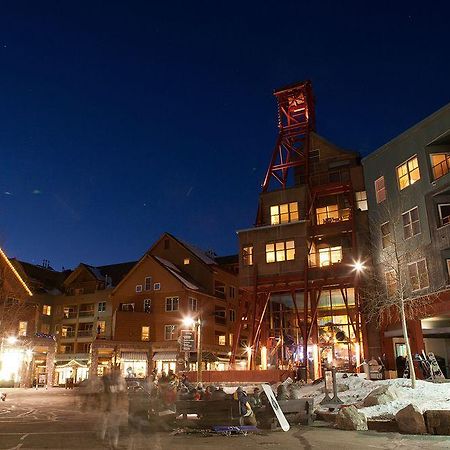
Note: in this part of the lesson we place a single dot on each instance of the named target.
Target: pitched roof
(41, 279)
(226, 260)
(114, 272)
(185, 279)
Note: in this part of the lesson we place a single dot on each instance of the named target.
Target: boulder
(410, 420)
(349, 418)
(380, 396)
(438, 422)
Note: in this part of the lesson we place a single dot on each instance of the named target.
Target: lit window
(101, 327)
(361, 200)
(280, 251)
(222, 340)
(47, 310)
(408, 173)
(444, 214)
(331, 213)
(230, 336)
(172, 303)
(391, 282)
(157, 286)
(247, 256)
(23, 328)
(193, 304)
(385, 234)
(145, 334)
(102, 307)
(411, 223)
(440, 164)
(186, 261)
(147, 305)
(418, 275)
(170, 332)
(330, 255)
(380, 190)
(139, 288)
(148, 284)
(287, 212)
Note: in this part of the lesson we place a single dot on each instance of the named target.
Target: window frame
(407, 174)
(380, 191)
(416, 264)
(247, 255)
(390, 285)
(280, 248)
(101, 307)
(129, 304)
(147, 334)
(191, 302)
(446, 161)
(156, 286)
(46, 310)
(148, 282)
(147, 305)
(171, 300)
(411, 223)
(387, 235)
(173, 332)
(139, 288)
(441, 219)
(292, 215)
(362, 200)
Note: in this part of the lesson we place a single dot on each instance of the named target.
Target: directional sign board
(187, 341)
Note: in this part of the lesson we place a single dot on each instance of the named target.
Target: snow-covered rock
(349, 418)
(410, 420)
(380, 396)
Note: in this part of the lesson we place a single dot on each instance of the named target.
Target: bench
(210, 412)
(297, 411)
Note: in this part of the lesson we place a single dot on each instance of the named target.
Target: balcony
(85, 333)
(330, 256)
(67, 334)
(87, 313)
(70, 314)
(328, 215)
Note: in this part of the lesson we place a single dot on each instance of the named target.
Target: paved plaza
(52, 419)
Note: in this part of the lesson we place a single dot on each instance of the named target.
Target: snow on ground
(426, 395)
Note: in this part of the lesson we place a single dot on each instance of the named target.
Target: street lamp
(196, 323)
(358, 266)
(11, 340)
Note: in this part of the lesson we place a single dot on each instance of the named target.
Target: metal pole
(199, 351)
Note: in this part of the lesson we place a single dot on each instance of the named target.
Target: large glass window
(280, 251)
(47, 310)
(408, 173)
(361, 200)
(418, 275)
(411, 223)
(330, 255)
(440, 164)
(287, 212)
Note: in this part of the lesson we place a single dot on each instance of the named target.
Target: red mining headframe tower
(299, 297)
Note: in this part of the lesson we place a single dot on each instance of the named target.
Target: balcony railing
(87, 313)
(335, 216)
(70, 315)
(85, 333)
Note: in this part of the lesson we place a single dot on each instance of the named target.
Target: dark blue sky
(121, 120)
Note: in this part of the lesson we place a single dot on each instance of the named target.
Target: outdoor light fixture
(11, 340)
(358, 266)
(188, 322)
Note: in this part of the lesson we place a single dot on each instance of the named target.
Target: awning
(71, 363)
(134, 356)
(206, 356)
(165, 356)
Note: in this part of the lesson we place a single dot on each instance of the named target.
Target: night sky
(122, 120)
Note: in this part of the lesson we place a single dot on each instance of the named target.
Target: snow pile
(353, 390)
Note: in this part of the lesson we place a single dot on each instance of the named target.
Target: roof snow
(177, 273)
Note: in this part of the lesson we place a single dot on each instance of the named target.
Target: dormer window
(285, 213)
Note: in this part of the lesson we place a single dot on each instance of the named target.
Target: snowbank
(425, 396)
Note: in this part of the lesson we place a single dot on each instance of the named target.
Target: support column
(94, 362)
(50, 365)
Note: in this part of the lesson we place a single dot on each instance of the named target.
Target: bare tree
(398, 286)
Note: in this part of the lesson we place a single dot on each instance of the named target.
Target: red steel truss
(256, 316)
(295, 121)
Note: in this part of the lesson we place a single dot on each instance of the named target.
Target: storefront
(74, 370)
(165, 361)
(134, 364)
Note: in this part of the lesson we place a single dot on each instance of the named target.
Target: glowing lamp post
(196, 324)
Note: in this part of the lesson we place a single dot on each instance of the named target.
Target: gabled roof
(114, 272)
(202, 255)
(174, 270)
(15, 272)
(227, 260)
